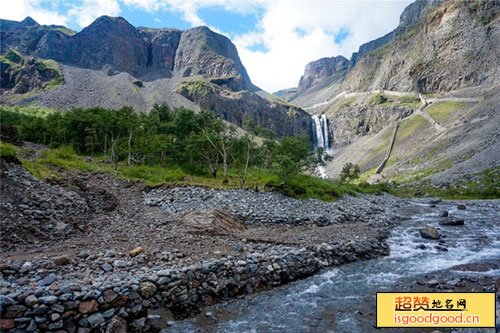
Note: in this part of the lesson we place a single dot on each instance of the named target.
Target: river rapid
(342, 299)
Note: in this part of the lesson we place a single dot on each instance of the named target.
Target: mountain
(420, 102)
(112, 64)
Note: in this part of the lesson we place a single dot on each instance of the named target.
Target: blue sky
(275, 38)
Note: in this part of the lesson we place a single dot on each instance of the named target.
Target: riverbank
(66, 260)
(95, 252)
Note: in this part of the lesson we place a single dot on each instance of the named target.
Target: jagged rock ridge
(111, 64)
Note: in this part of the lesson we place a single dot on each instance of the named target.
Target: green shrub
(7, 150)
(349, 172)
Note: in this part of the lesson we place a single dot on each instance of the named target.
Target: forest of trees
(167, 137)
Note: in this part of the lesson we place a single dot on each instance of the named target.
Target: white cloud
(88, 10)
(18, 10)
(294, 32)
(318, 21)
(288, 51)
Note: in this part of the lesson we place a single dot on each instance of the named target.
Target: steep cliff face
(411, 15)
(239, 107)
(318, 70)
(320, 78)
(454, 46)
(111, 63)
(204, 53)
(316, 91)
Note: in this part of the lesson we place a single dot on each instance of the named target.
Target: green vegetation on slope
(441, 111)
(197, 87)
(17, 72)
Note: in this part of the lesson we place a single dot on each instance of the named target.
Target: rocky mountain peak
(415, 11)
(322, 68)
(28, 21)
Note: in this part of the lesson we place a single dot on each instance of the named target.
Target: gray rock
(96, 320)
(429, 232)
(15, 311)
(452, 221)
(117, 325)
(49, 300)
(30, 301)
(147, 289)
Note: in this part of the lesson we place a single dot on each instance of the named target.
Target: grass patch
(486, 185)
(409, 127)
(381, 51)
(377, 99)
(7, 150)
(343, 105)
(197, 87)
(408, 101)
(305, 186)
(441, 111)
(58, 163)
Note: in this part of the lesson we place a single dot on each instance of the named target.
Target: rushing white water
(318, 128)
(324, 121)
(343, 299)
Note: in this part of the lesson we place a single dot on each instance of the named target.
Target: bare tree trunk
(105, 146)
(114, 157)
(244, 179)
(130, 134)
(163, 158)
(224, 161)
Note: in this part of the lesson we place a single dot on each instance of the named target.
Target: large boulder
(429, 233)
(453, 221)
(211, 222)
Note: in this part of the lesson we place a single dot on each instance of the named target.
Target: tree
(220, 136)
(349, 172)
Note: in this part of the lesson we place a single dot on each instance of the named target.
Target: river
(342, 299)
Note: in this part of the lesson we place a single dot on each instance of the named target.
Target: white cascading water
(324, 121)
(320, 126)
(320, 139)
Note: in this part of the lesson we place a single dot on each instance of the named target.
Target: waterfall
(321, 138)
(320, 141)
(320, 129)
(325, 131)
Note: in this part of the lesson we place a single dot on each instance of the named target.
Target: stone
(56, 325)
(452, 221)
(48, 300)
(96, 320)
(109, 296)
(88, 306)
(420, 247)
(55, 316)
(109, 313)
(62, 261)
(14, 311)
(429, 232)
(47, 281)
(211, 222)
(444, 213)
(7, 324)
(119, 263)
(117, 325)
(238, 248)
(147, 289)
(30, 301)
(83, 254)
(107, 267)
(136, 251)
(461, 207)
(432, 282)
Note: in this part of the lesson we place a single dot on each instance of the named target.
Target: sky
(275, 38)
